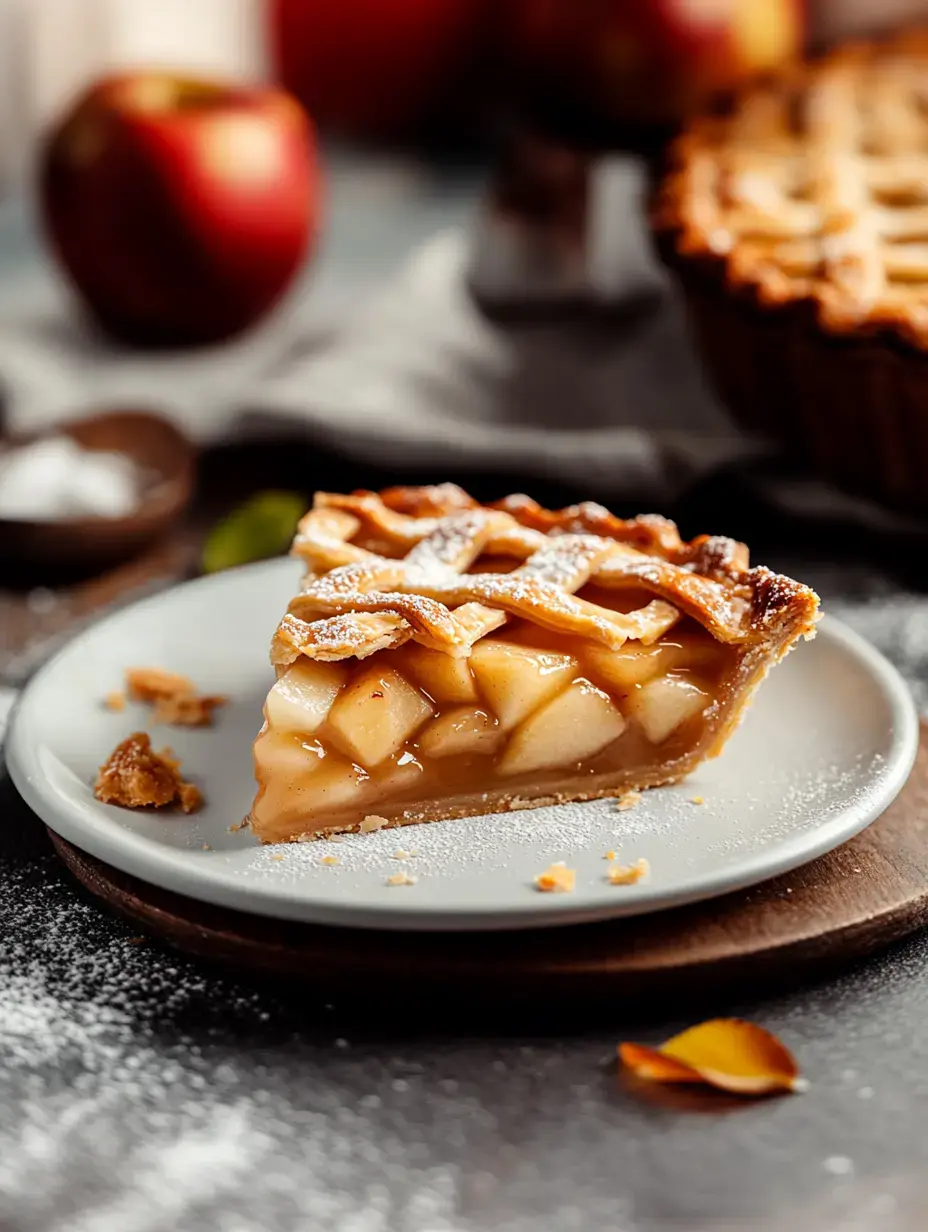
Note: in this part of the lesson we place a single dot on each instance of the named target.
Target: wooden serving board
(850, 903)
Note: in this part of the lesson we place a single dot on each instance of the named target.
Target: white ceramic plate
(826, 747)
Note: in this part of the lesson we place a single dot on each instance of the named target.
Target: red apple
(374, 68)
(649, 61)
(180, 208)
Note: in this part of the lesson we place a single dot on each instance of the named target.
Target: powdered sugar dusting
(470, 845)
(136, 1097)
(79, 1005)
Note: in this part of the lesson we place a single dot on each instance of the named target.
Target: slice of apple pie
(446, 658)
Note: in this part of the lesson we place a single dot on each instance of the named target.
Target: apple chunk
(287, 755)
(375, 715)
(333, 787)
(444, 678)
(515, 680)
(662, 705)
(623, 669)
(636, 663)
(400, 775)
(337, 786)
(464, 730)
(301, 698)
(577, 724)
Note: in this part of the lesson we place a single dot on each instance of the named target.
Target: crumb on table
(696, 800)
(329, 860)
(627, 874)
(557, 879)
(115, 701)
(174, 697)
(135, 776)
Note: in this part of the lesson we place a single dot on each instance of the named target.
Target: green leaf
(263, 526)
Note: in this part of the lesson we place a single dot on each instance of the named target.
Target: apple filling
(411, 734)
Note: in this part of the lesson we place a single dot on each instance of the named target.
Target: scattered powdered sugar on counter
(136, 1096)
(78, 1007)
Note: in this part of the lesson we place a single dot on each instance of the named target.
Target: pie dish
(447, 659)
(796, 221)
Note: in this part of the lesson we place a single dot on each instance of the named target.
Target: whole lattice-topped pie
(814, 186)
(796, 222)
(446, 658)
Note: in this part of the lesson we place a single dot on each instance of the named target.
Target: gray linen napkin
(409, 372)
(418, 376)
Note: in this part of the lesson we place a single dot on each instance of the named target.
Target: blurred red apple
(374, 68)
(180, 208)
(649, 61)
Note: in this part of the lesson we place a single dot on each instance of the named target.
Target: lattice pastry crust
(384, 569)
(813, 187)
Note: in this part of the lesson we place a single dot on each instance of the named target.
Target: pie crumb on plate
(628, 874)
(557, 879)
(402, 879)
(174, 697)
(135, 776)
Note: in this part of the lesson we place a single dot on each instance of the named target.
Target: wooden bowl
(80, 544)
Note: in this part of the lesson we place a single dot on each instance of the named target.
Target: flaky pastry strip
(540, 603)
(340, 637)
(404, 575)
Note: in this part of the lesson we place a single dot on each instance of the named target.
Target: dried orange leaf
(651, 1063)
(727, 1053)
